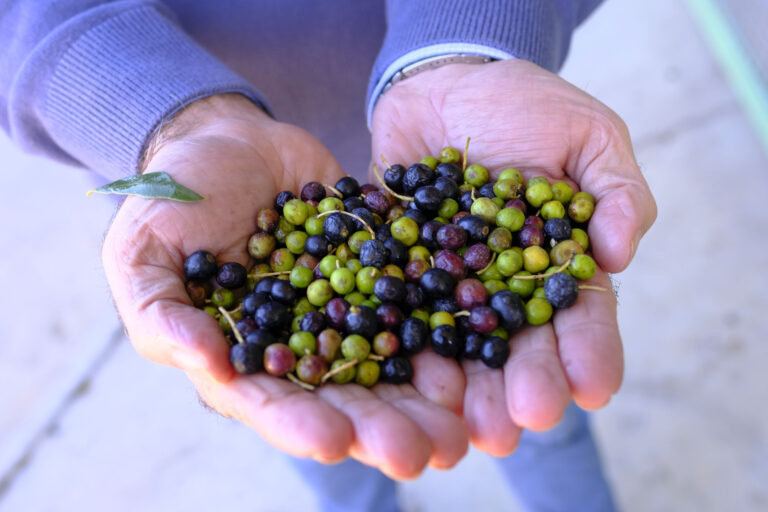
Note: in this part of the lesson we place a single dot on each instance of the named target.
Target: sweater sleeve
(535, 30)
(87, 82)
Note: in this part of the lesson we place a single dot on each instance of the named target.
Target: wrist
(429, 58)
(421, 94)
(432, 63)
(217, 108)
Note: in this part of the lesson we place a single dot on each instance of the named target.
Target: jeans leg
(559, 470)
(348, 486)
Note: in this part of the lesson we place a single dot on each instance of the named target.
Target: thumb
(622, 216)
(177, 334)
(154, 306)
(625, 208)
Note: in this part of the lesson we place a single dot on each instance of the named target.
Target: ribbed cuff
(123, 72)
(535, 30)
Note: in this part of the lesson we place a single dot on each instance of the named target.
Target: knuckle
(608, 129)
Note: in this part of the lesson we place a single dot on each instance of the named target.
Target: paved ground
(87, 425)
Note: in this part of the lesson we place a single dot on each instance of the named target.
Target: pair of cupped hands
(228, 150)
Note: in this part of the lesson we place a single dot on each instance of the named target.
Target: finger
(590, 345)
(296, 421)
(607, 169)
(384, 437)
(448, 437)
(491, 428)
(622, 216)
(439, 379)
(537, 390)
(155, 308)
(177, 334)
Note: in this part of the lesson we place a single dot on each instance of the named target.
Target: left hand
(230, 151)
(519, 115)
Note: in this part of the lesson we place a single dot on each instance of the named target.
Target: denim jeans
(554, 471)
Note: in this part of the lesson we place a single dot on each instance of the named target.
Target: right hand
(520, 115)
(233, 154)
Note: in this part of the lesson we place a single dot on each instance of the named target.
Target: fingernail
(326, 460)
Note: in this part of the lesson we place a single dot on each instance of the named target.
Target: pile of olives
(347, 282)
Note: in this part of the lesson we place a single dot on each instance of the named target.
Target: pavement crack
(686, 124)
(76, 389)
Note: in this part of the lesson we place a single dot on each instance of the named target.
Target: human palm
(519, 115)
(238, 159)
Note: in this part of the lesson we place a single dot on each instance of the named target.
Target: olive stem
(547, 274)
(381, 180)
(238, 336)
(592, 287)
(271, 274)
(371, 231)
(375, 357)
(237, 309)
(461, 313)
(338, 370)
(299, 382)
(432, 261)
(466, 152)
(484, 269)
(333, 189)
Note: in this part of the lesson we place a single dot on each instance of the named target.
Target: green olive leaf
(152, 185)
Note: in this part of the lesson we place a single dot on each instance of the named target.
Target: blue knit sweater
(87, 81)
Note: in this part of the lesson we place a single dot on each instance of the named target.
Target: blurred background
(85, 424)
